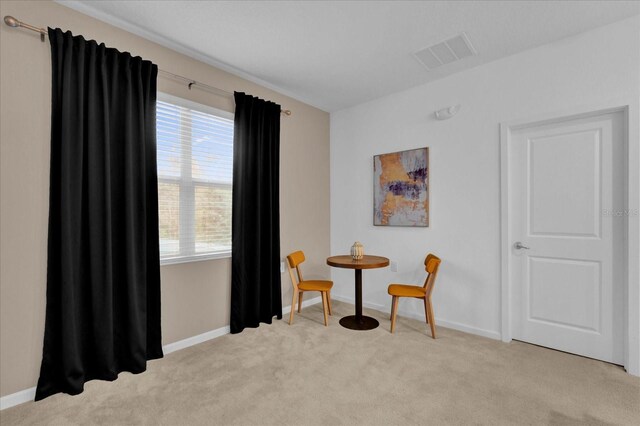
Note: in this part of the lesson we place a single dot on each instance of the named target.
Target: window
(195, 166)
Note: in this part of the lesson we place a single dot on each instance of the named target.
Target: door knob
(519, 246)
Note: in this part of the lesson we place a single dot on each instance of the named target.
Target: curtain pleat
(103, 269)
(255, 273)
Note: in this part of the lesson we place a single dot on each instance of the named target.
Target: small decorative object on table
(357, 251)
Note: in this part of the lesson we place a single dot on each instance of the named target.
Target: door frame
(630, 108)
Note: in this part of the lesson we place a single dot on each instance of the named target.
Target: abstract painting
(401, 188)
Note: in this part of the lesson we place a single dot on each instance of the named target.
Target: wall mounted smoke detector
(447, 113)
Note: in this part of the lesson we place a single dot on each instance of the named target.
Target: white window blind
(195, 166)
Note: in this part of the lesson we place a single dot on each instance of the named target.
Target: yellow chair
(300, 286)
(431, 263)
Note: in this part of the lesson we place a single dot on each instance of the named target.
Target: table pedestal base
(359, 321)
(352, 322)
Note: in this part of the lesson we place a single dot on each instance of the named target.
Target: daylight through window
(195, 159)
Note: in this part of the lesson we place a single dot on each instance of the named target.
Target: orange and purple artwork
(401, 188)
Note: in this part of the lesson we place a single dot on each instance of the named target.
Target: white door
(566, 185)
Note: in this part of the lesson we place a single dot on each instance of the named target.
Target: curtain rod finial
(11, 21)
(14, 23)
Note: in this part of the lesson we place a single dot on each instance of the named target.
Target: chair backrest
(293, 262)
(431, 265)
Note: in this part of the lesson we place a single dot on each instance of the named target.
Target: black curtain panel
(255, 273)
(103, 276)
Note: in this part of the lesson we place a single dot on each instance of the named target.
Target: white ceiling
(337, 54)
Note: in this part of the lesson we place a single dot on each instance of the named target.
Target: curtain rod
(13, 22)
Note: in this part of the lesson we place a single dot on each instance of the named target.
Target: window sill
(194, 258)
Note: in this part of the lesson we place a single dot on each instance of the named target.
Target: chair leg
(426, 311)
(293, 306)
(394, 312)
(324, 307)
(300, 294)
(393, 299)
(432, 321)
(329, 301)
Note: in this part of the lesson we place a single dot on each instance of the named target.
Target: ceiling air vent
(448, 51)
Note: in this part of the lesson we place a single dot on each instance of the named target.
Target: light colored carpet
(307, 374)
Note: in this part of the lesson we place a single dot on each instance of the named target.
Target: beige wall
(195, 296)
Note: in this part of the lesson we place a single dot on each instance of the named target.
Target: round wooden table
(358, 321)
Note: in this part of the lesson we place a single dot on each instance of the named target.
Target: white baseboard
(305, 303)
(17, 398)
(28, 395)
(439, 321)
(209, 335)
(194, 340)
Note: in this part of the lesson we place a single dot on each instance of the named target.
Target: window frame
(206, 109)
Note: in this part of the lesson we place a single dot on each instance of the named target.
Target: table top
(367, 262)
